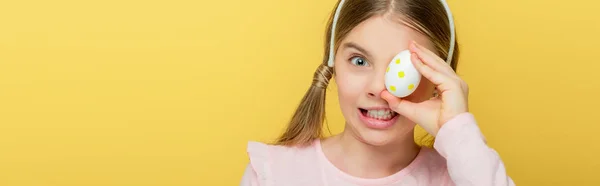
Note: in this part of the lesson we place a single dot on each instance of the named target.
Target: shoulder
(261, 152)
(431, 160)
(282, 162)
(431, 167)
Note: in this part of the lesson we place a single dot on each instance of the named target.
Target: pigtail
(307, 122)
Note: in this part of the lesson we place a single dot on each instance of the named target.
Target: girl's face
(360, 65)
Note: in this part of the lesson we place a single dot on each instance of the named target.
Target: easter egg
(401, 77)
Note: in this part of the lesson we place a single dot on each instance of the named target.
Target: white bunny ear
(332, 38)
(337, 14)
(452, 32)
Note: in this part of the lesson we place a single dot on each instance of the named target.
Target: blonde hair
(428, 17)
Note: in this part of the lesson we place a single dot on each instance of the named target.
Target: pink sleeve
(470, 161)
(258, 170)
(249, 178)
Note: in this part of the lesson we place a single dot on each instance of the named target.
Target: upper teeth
(380, 113)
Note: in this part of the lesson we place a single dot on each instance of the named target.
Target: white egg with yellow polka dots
(401, 77)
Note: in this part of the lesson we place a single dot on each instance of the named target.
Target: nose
(376, 84)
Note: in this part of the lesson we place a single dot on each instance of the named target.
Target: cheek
(349, 87)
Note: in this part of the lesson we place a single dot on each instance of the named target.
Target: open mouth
(379, 114)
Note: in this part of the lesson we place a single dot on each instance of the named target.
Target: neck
(360, 159)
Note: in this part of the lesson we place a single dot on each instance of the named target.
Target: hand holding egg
(404, 75)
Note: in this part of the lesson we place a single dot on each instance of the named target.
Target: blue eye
(359, 61)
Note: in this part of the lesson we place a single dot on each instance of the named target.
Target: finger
(401, 106)
(441, 81)
(431, 59)
(416, 112)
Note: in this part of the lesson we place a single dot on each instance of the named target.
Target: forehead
(384, 36)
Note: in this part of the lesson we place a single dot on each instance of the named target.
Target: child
(377, 146)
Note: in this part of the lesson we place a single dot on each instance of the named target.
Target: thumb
(401, 106)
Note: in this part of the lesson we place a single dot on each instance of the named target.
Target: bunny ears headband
(335, 20)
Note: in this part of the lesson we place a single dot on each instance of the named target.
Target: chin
(376, 138)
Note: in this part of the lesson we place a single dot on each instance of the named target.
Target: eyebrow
(355, 46)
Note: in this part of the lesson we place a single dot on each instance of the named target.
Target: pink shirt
(460, 157)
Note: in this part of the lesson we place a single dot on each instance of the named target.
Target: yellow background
(168, 93)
